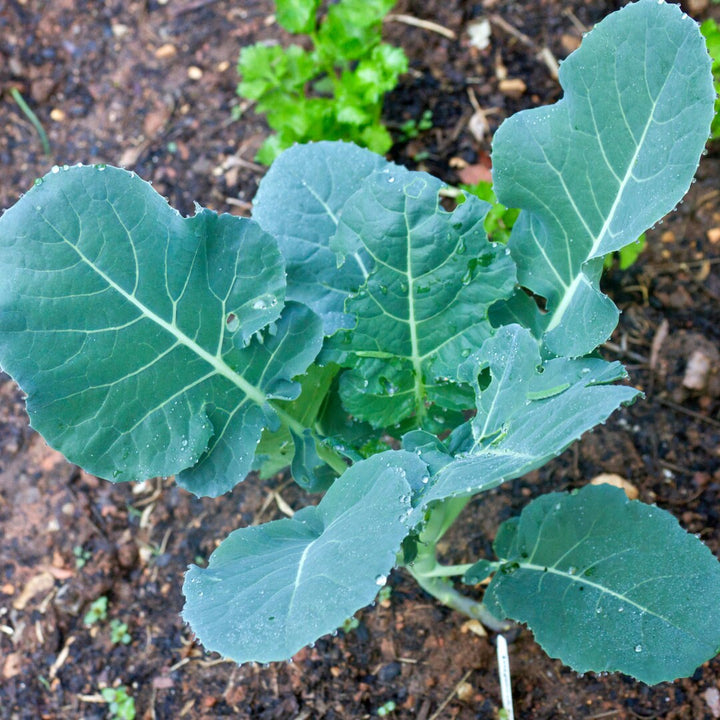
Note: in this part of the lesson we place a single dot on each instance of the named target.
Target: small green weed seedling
(387, 708)
(121, 706)
(392, 356)
(119, 634)
(81, 556)
(499, 220)
(335, 90)
(412, 128)
(97, 611)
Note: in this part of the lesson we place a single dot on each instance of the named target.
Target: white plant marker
(505, 680)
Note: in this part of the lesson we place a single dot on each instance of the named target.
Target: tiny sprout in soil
(392, 356)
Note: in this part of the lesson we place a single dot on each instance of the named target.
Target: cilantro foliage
(333, 91)
(388, 352)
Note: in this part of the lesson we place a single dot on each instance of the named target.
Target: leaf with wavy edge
(300, 201)
(270, 589)
(608, 584)
(595, 170)
(432, 277)
(137, 334)
(529, 412)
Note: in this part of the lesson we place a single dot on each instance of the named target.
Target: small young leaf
(270, 589)
(276, 449)
(608, 584)
(595, 170)
(308, 468)
(352, 28)
(311, 183)
(297, 16)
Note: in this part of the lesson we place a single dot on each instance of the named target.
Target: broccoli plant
(391, 355)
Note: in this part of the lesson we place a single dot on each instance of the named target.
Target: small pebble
(166, 51)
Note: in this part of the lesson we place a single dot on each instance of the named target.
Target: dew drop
(38, 181)
(54, 169)
(380, 580)
(638, 648)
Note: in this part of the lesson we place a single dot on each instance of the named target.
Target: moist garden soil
(151, 85)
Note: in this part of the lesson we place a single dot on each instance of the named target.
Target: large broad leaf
(270, 589)
(138, 335)
(528, 412)
(607, 584)
(595, 170)
(433, 276)
(300, 201)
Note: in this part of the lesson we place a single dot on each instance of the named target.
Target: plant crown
(395, 358)
(334, 91)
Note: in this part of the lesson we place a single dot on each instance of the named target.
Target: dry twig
(424, 24)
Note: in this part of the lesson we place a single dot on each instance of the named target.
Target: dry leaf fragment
(40, 583)
(475, 627)
(12, 665)
(478, 125)
(472, 174)
(569, 42)
(512, 87)
(465, 691)
(617, 481)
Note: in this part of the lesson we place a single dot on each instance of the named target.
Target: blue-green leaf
(607, 584)
(300, 201)
(595, 170)
(432, 277)
(528, 412)
(270, 589)
(147, 343)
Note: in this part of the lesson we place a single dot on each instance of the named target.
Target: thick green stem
(443, 590)
(433, 576)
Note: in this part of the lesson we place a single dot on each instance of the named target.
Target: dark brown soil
(150, 85)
